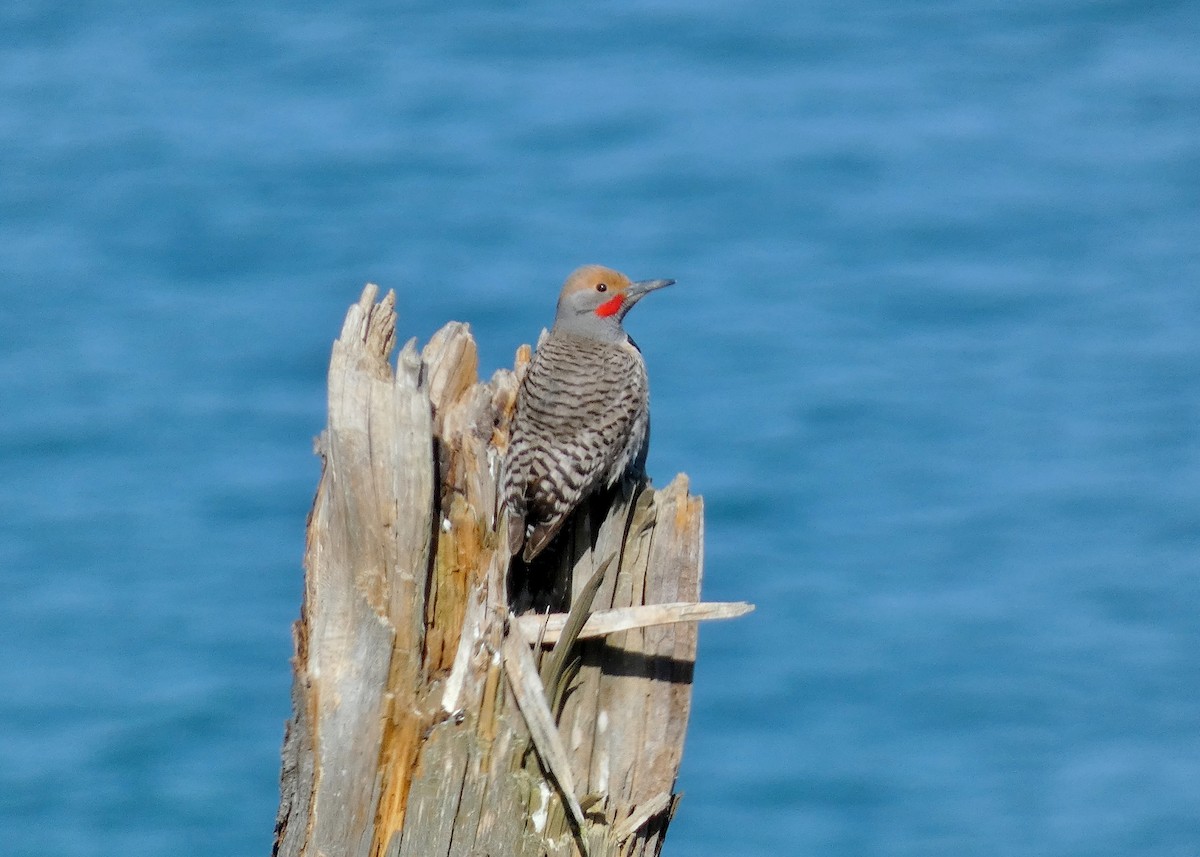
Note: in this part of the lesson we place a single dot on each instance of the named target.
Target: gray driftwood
(427, 720)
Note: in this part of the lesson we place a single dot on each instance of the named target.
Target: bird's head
(595, 299)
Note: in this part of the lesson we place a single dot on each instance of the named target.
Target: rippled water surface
(932, 360)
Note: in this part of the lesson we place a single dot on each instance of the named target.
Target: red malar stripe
(610, 307)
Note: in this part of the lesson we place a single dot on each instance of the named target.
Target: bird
(582, 418)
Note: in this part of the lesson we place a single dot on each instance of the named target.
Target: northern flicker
(583, 411)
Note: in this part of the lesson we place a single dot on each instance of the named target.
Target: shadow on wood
(427, 720)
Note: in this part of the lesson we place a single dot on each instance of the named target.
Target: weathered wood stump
(427, 719)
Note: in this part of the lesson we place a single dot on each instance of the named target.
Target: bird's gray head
(594, 301)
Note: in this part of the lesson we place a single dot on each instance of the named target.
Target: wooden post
(429, 721)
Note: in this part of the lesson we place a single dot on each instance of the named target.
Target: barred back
(581, 421)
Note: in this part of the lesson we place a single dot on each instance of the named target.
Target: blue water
(933, 361)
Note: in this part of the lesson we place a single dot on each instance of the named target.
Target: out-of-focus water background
(933, 361)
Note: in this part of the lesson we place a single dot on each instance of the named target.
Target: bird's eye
(602, 287)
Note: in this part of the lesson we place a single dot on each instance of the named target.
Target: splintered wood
(427, 720)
